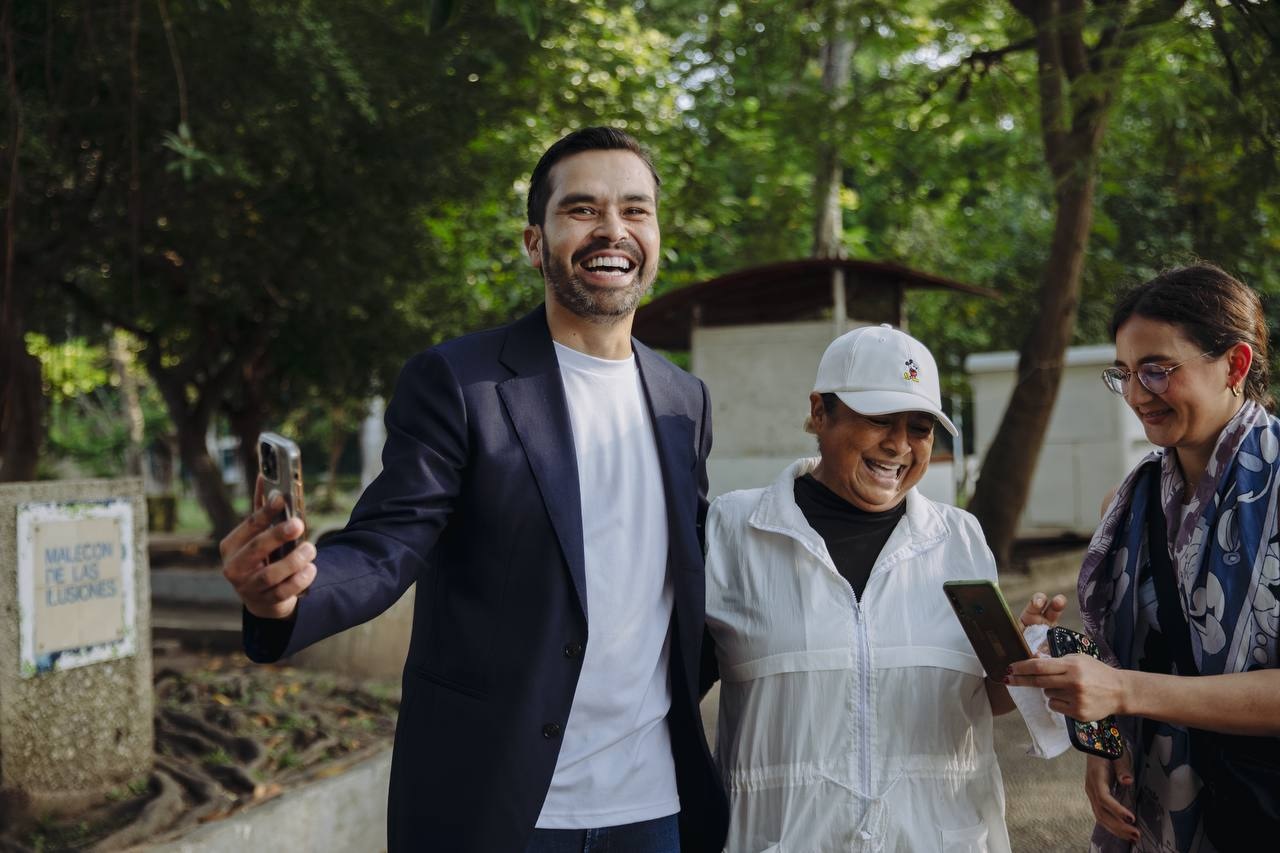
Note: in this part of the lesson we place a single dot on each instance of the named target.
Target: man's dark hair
(587, 139)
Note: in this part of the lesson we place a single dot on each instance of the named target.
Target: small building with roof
(755, 337)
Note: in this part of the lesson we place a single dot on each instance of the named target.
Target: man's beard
(604, 305)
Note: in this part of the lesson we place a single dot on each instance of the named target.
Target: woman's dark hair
(586, 139)
(829, 403)
(1213, 309)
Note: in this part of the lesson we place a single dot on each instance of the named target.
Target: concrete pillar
(75, 640)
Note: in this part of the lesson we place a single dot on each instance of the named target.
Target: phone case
(280, 464)
(1100, 737)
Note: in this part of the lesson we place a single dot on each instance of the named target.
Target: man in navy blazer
(544, 484)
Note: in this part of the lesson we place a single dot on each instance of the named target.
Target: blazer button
(572, 650)
(551, 730)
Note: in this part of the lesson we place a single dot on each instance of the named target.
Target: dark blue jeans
(660, 835)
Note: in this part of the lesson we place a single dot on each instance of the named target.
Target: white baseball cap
(878, 370)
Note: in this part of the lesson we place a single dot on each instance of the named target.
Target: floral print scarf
(1226, 554)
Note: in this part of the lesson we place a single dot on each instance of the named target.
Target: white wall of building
(1093, 438)
(373, 434)
(759, 378)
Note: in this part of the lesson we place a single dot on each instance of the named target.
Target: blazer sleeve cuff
(265, 640)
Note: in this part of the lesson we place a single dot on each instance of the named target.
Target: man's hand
(268, 590)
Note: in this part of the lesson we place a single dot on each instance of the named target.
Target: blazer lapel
(677, 453)
(536, 404)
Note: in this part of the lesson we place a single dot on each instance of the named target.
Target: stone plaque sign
(75, 584)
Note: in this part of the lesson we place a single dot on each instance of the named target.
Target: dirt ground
(229, 733)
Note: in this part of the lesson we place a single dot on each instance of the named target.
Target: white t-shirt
(615, 765)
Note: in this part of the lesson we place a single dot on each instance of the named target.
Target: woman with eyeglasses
(1181, 583)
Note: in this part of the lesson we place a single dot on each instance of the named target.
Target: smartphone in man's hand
(994, 633)
(280, 464)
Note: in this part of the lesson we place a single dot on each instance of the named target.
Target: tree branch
(1050, 78)
(1075, 56)
(102, 312)
(9, 299)
(1248, 13)
(977, 64)
(1122, 36)
(1218, 33)
(176, 59)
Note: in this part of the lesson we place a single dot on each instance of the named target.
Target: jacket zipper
(864, 683)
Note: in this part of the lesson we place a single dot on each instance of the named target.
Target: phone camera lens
(977, 608)
(269, 469)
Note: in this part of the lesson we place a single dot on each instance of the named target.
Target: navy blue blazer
(478, 502)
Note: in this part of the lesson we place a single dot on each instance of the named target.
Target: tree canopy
(280, 201)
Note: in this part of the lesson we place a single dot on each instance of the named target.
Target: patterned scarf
(1225, 552)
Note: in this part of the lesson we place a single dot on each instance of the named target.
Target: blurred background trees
(262, 208)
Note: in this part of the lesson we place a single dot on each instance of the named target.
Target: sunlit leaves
(70, 368)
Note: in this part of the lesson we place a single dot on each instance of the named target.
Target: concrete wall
(69, 733)
(759, 378)
(346, 813)
(375, 650)
(1093, 439)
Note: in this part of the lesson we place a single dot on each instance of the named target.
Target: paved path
(1046, 809)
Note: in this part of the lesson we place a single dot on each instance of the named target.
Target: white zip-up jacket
(853, 725)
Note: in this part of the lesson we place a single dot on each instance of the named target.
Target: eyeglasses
(1152, 376)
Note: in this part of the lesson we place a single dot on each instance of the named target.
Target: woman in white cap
(854, 714)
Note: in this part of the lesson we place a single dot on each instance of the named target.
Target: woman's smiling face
(871, 461)
(1198, 403)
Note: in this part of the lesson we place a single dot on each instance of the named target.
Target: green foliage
(69, 369)
(218, 758)
(330, 185)
(943, 158)
(87, 423)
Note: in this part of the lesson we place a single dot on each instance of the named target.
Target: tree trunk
(21, 411)
(337, 441)
(191, 418)
(247, 425)
(21, 391)
(163, 451)
(1010, 462)
(248, 414)
(205, 473)
(122, 362)
(1076, 85)
(837, 64)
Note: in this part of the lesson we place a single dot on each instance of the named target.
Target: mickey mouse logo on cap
(913, 371)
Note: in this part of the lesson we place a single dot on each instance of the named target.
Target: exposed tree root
(228, 734)
(159, 813)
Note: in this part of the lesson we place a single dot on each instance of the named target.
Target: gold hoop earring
(1235, 390)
